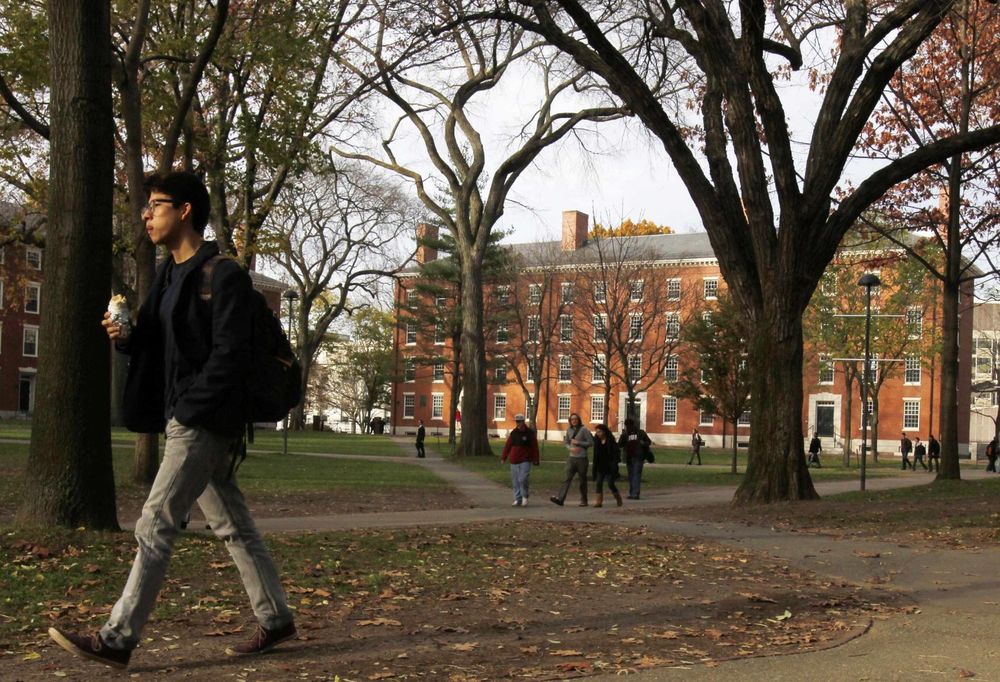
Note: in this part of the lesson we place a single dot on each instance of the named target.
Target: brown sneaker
(262, 641)
(92, 647)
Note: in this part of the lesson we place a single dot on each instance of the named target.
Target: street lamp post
(867, 281)
(290, 295)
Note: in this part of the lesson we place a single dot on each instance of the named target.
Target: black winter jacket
(213, 341)
(606, 458)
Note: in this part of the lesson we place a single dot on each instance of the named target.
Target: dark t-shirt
(171, 295)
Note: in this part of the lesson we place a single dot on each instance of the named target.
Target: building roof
(263, 282)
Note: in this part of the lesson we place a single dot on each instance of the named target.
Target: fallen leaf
(566, 652)
(463, 646)
(31, 656)
(965, 674)
(575, 666)
(380, 621)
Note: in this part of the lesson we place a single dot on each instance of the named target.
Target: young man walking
(421, 434)
(933, 453)
(521, 450)
(905, 448)
(188, 375)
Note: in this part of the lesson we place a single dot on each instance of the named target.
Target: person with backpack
(814, 449)
(190, 376)
(905, 448)
(421, 434)
(696, 443)
(578, 440)
(933, 453)
(521, 450)
(918, 454)
(634, 443)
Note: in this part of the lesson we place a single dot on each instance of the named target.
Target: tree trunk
(474, 439)
(70, 479)
(456, 387)
(950, 469)
(776, 466)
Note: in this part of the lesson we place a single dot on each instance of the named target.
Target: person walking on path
(578, 440)
(905, 448)
(991, 456)
(188, 376)
(634, 442)
(421, 434)
(607, 456)
(814, 449)
(919, 450)
(696, 443)
(933, 453)
(521, 450)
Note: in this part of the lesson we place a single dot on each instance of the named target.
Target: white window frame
(598, 415)
(534, 294)
(744, 418)
(411, 333)
(438, 370)
(565, 369)
(565, 328)
(674, 289)
(409, 405)
(566, 292)
(636, 290)
(912, 425)
(706, 316)
(409, 370)
(534, 329)
(671, 368)
(437, 405)
(411, 298)
(37, 287)
(441, 301)
(710, 288)
(706, 418)
(33, 251)
(500, 372)
(635, 367)
(503, 333)
(563, 405)
(533, 370)
(915, 322)
(912, 371)
(599, 369)
(673, 320)
(600, 327)
(669, 404)
(503, 294)
(439, 334)
(33, 328)
(600, 292)
(500, 407)
(826, 365)
(635, 327)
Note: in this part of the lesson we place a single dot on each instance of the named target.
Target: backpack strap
(205, 289)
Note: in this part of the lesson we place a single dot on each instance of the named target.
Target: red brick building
(690, 279)
(21, 288)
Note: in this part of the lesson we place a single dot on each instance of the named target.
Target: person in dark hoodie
(606, 459)
(188, 376)
(633, 444)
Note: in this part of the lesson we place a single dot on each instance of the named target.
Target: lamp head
(290, 295)
(869, 279)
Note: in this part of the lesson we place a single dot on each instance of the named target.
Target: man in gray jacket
(578, 440)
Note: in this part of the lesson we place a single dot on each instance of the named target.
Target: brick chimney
(426, 254)
(574, 230)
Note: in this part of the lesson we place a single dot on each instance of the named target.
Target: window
(533, 329)
(30, 342)
(669, 410)
(502, 334)
(635, 291)
(441, 301)
(826, 371)
(437, 406)
(535, 369)
(706, 418)
(34, 258)
(911, 414)
(563, 409)
(871, 408)
(600, 292)
(600, 367)
(409, 403)
(706, 316)
(565, 368)
(534, 294)
(438, 371)
(744, 419)
(503, 295)
(673, 290)
(500, 373)
(566, 292)
(411, 298)
(711, 288)
(911, 374)
(409, 369)
(634, 367)
(670, 369)
(600, 328)
(597, 408)
(983, 357)
(873, 370)
(499, 407)
(673, 325)
(565, 328)
(635, 327)
(438, 334)
(32, 298)
(915, 322)
(529, 406)
(411, 333)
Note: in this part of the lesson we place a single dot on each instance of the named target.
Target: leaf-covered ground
(529, 600)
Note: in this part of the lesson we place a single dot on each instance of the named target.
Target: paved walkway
(951, 635)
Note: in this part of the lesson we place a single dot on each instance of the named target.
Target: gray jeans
(195, 467)
(575, 466)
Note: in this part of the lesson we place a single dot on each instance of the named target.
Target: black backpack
(276, 375)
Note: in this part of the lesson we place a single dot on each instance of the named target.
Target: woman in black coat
(606, 459)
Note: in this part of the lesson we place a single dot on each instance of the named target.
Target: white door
(640, 407)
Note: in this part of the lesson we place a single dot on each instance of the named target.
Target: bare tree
(767, 205)
(336, 237)
(435, 69)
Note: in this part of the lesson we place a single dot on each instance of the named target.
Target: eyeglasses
(150, 207)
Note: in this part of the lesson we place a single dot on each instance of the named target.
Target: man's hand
(113, 330)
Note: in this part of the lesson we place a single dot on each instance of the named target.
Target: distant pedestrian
(634, 443)
(578, 440)
(905, 448)
(918, 454)
(606, 459)
(814, 449)
(991, 456)
(421, 434)
(696, 443)
(933, 453)
(521, 450)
